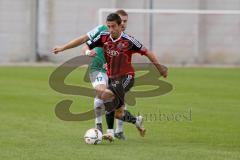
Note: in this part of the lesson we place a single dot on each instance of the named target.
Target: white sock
(119, 123)
(119, 127)
(98, 103)
(110, 131)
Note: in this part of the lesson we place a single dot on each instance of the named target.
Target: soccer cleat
(109, 135)
(139, 125)
(120, 136)
(99, 127)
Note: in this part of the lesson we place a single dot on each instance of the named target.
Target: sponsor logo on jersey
(112, 53)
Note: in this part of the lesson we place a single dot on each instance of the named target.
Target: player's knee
(99, 90)
(119, 113)
(99, 93)
(107, 95)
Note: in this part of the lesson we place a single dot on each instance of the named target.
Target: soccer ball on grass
(93, 136)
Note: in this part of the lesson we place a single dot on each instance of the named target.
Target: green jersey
(99, 60)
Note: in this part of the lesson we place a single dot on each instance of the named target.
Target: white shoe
(109, 135)
(139, 125)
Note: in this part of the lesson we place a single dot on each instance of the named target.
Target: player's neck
(116, 37)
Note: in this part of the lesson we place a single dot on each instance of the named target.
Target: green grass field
(30, 130)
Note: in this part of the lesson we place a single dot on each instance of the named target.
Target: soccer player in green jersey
(98, 74)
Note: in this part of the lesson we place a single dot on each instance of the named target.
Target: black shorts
(120, 86)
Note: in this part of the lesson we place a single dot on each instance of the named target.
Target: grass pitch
(199, 119)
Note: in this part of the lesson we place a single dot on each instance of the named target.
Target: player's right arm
(91, 35)
(72, 44)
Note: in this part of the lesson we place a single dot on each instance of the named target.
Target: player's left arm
(90, 45)
(163, 70)
(86, 51)
(138, 47)
(97, 42)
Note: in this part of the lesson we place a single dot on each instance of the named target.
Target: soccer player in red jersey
(118, 49)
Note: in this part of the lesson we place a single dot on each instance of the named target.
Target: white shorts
(98, 78)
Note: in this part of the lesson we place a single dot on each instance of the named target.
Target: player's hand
(105, 66)
(90, 53)
(163, 71)
(56, 50)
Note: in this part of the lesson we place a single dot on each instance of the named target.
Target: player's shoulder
(102, 27)
(104, 33)
(96, 31)
(132, 39)
(101, 35)
(128, 37)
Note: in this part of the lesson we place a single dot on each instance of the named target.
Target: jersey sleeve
(96, 31)
(97, 42)
(137, 47)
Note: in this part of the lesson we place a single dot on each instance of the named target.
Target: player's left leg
(123, 114)
(126, 116)
(119, 87)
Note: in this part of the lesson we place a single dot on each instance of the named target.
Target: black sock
(99, 127)
(111, 106)
(128, 117)
(110, 119)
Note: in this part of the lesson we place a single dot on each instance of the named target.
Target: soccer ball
(93, 136)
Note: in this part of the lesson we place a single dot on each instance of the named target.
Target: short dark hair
(114, 17)
(121, 12)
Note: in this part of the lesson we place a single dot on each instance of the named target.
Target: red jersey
(118, 52)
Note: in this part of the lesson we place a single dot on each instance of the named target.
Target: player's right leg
(119, 134)
(99, 82)
(99, 109)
